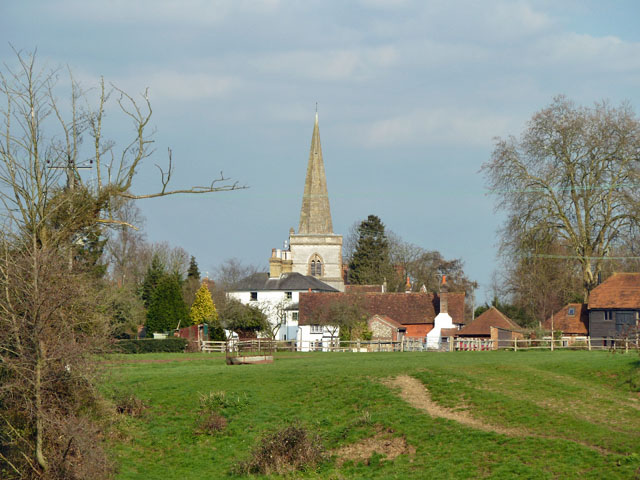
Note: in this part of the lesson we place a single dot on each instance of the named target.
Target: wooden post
(626, 345)
(515, 344)
(589, 342)
(452, 347)
(552, 331)
(402, 344)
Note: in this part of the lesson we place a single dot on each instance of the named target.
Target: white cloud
(160, 11)
(441, 126)
(606, 54)
(333, 65)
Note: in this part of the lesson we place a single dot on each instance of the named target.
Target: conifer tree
(370, 263)
(203, 310)
(194, 272)
(167, 308)
(192, 283)
(155, 273)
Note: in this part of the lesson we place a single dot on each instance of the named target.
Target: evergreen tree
(167, 308)
(192, 283)
(370, 264)
(193, 273)
(203, 310)
(155, 273)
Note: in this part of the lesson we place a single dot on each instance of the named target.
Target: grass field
(556, 414)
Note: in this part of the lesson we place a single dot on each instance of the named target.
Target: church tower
(315, 250)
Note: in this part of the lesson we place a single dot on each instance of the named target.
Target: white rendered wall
(271, 302)
(442, 320)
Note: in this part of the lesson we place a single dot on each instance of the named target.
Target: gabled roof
(404, 308)
(481, 326)
(388, 320)
(621, 290)
(285, 282)
(575, 324)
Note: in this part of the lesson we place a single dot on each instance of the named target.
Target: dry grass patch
(382, 443)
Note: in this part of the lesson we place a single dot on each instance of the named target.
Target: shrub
(212, 423)
(286, 450)
(131, 405)
(147, 345)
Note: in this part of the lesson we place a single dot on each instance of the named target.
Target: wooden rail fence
(419, 345)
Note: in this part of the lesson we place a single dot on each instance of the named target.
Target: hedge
(149, 345)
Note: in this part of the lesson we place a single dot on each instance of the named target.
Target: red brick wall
(418, 330)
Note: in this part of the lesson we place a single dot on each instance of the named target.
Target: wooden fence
(419, 345)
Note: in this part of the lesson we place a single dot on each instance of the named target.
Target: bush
(129, 404)
(287, 450)
(148, 345)
(212, 423)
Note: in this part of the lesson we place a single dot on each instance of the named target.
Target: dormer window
(315, 266)
(572, 311)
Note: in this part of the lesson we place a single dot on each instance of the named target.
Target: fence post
(626, 345)
(515, 344)
(589, 343)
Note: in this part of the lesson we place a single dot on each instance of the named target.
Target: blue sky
(411, 95)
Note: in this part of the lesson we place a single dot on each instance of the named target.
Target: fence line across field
(420, 345)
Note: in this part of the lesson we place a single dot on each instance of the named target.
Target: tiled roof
(449, 332)
(285, 282)
(404, 308)
(388, 320)
(575, 324)
(621, 290)
(491, 318)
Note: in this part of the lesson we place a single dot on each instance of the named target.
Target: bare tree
(50, 328)
(572, 175)
(126, 248)
(231, 272)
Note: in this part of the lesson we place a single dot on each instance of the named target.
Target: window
(316, 328)
(288, 295)
(254, 296)
(294, 316)
(608, 315)
(315, 266)
(572, 311)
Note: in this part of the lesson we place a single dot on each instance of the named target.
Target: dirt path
(415, 394)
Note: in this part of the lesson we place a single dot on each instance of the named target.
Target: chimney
(407, 288)
(275, 264)
(444, 296)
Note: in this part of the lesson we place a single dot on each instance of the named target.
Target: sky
(411, 96)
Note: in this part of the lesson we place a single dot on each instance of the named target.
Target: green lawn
(578, 413)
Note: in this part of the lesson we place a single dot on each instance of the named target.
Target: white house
(278, 298)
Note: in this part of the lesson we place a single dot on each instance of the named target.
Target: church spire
(315, 214)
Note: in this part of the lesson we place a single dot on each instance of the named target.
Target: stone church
(315, 250)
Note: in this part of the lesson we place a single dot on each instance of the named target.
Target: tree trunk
(39, 413)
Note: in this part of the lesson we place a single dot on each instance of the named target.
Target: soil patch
(414, 393)
(417, 395)
(382, 443)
